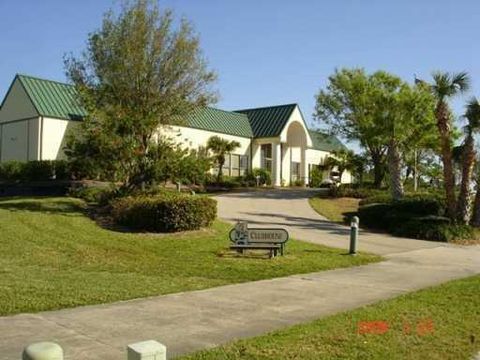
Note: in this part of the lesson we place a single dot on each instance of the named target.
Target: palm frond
(461, 81)
(449, 84)
(472, 114)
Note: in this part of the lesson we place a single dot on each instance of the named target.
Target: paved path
(195, 320)
(290, 209)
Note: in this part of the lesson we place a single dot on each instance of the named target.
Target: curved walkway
(290, 209)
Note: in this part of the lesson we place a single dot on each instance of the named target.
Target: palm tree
(342, 159)
(446, 86)
(221, 147)
(468, 161)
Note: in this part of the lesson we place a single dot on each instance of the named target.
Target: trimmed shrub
(382, 198)
(316, 177)
(436, 229)
(299, 182)
(15, 171)
(375, 215)
(264, 176)
(12, 171)
(169, 212)
(348, 190)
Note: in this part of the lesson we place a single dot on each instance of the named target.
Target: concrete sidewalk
(196, 320)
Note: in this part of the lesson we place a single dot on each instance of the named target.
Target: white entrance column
(277, 163)
(304, 165)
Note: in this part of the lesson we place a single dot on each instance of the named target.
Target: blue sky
(267, 52)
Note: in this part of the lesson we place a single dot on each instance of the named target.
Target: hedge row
(16, 171)
(416, 216)
(168, 212)
(349, 190)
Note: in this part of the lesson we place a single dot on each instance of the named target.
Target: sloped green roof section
(325, 142)
(268, 121)
(52, 98)
(226, 122)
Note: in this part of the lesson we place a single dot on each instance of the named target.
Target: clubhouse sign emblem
(242, 234)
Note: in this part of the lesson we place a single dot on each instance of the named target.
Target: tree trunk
(464, 203)
(476, 206)
(415, 171)
(395, 169)
(378, 171)
(220, 173)
(443, 125)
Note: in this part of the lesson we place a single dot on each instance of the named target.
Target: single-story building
(36, 114)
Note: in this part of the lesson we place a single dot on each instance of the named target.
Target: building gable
(17, 104)
(268, 121)
(53, 99)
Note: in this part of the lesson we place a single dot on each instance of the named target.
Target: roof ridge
(43, 79)
(266, 107)
(226, 111)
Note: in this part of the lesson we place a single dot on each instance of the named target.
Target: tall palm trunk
(476, 206)
(464, 203)
(443, 125)
(395, 169)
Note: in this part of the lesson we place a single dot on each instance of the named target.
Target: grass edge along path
(441, 322)
(334, 209)
(54, 257)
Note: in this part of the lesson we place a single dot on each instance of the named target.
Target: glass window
(235, 165)
(266, 156)
(243, 164)
(295, 171)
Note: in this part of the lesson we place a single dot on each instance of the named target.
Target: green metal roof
(59, 100)
(52, 98)
(325, 142)
(226, 122)
(268, 121)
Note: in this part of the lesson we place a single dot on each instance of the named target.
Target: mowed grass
(437, 323)
(53, 256)
(335, 209)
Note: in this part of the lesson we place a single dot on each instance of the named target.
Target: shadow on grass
(246, 255)
(44, 205)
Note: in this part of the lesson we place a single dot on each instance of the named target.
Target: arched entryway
(294, 161)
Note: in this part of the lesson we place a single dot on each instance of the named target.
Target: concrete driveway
(290, 209)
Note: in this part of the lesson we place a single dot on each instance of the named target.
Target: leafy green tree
(348, 107)
(170, 162)
(359, 167)
(220, 148)
(464, 203)
(446, 86)
(139, 72)
(408, 120)
(382, 112)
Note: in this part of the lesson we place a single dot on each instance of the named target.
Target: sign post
(241, 234)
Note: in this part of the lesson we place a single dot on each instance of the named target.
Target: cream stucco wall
(53, 134)
(19, 140)
(296, 116)
(316, 157)
(194, 138)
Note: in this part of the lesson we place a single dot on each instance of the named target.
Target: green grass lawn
(53, 256)
(437, 323)
(335, 209)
